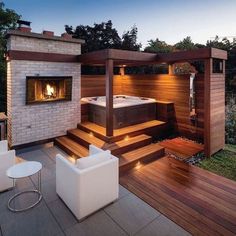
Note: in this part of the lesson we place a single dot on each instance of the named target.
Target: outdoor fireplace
(48, 89)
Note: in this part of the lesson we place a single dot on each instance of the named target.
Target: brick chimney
(66, 36)
(24, 29)
(24, 26)
(48, 33)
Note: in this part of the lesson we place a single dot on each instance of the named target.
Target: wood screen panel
(217, 112)
(94, 85)
(174, 88)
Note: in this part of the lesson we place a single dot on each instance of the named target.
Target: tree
(8, 20)
(103, 35)
(223, 44)
(158, 46)
(98, 36)
(129, 40)
(185, 44)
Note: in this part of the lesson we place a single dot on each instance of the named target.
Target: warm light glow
(91, 134)
(138, 165)
(126, 138)
(72, 159)
(49, 90)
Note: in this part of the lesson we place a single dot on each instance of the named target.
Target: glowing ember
(49, 90)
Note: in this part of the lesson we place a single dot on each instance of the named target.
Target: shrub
(230, 124)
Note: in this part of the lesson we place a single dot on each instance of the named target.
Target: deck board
(199, 201)
(122, 131)
(181, 148)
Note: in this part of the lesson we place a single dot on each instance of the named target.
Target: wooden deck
(201, 202)
(153, 126)
(183, 149)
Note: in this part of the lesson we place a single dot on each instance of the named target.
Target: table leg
(37, 191)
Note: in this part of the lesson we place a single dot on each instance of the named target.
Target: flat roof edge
(43, 36)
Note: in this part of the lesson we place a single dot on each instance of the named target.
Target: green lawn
(222, 163)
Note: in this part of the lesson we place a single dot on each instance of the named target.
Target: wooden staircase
(132, 147)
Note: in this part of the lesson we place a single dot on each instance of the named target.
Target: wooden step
(129, 144)
(153, 127)
(85, 138)
(141, 155)
(71, 147)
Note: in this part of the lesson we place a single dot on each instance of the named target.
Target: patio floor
(201, 202)
(127, 216)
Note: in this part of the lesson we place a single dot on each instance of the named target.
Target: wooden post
(122, 71)
(171, 69)
(109, 97)
(207, 106)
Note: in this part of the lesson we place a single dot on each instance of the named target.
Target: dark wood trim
(197, 54)
(27, 145)
(109, 97)
(207, 107)
(124, 57)
(219, 54)
(43, 36)
(40, 56)
(121, 56)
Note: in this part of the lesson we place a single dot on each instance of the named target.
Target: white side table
(23, 170)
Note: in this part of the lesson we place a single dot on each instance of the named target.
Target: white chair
(7, 159)
(90, 184)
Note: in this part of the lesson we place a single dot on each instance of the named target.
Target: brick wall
(30, 123)
(42, 45)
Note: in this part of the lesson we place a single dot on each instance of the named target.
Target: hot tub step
(141, 155)
(85, 138)
(128, 144)
(116, 148)
(153, 128)
(71, 147)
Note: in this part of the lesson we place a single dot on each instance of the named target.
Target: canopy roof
(132, 58)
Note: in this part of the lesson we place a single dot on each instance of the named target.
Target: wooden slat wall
(217, 112)
(174, 88)
(199, 93)
(94, 85)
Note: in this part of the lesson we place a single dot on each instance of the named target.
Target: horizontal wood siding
(174, 88)
(94, 85)
(217, 114)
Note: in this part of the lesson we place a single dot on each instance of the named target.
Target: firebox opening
(48, 89)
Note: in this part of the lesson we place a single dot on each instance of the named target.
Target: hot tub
(128, 110)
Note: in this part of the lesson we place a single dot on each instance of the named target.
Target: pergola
(120, 58)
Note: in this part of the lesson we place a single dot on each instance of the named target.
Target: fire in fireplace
(48, 89)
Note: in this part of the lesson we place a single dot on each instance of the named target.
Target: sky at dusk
(169, 21)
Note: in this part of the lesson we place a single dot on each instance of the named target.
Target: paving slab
(62, 214)
(99, 224)
(131, 213)
(49, 191)
(162, 226)
(36, 221)
(53, 151)
(36, 155)
(123, 192)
